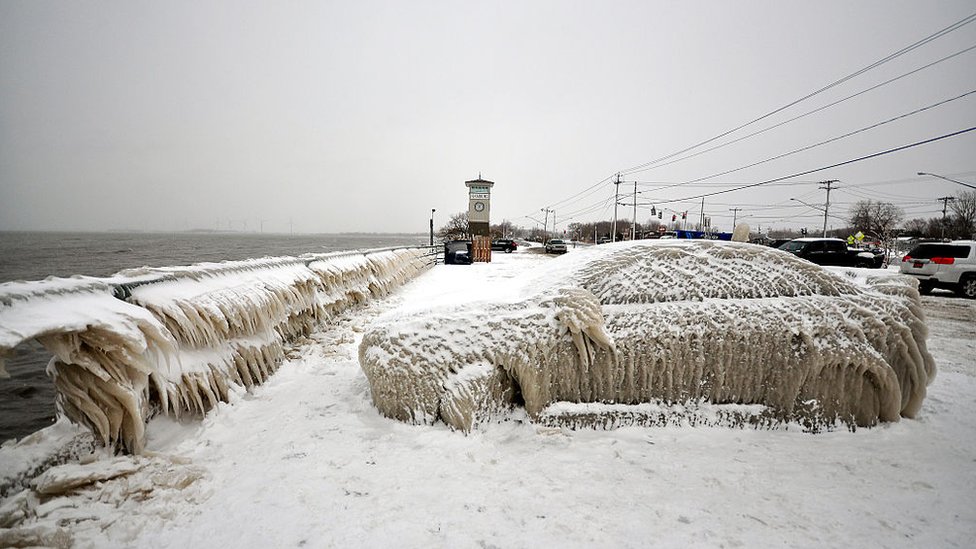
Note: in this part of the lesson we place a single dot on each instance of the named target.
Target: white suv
(950, 265)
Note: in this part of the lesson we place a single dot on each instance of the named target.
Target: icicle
(184, 334)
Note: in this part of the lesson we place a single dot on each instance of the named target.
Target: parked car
(504, 244)
(556, 246)
(834, 252)
(949, 265)
(604, 240)
(458, 252)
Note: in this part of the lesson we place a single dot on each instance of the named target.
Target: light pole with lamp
(432, 210)
(948, 179)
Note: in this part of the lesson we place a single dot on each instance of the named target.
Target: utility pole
(545, 224)
(616, 202)
(633, 233)
(828, 184)
(735, 215)
(945, 203)
(702, 224)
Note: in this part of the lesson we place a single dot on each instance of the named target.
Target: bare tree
(878, 219)
(456, 228)
(917, 227)
(963, 222)
(505, 229)
(652, 225)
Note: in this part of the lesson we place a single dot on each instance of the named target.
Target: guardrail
(175, 339)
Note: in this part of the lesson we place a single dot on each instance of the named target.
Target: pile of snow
(664, 322)
(182, 338)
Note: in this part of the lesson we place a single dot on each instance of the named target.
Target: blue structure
(699, 235)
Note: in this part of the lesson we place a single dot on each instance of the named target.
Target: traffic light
(684, 215)
(674, 217)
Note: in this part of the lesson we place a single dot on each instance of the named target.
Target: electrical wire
(831, 166)
(899, 53)
(837, 138)
(804, 115)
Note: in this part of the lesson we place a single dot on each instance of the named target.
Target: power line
(837, 165)
(876, 64)
(808, 147)
(836, 138)
(808, 113)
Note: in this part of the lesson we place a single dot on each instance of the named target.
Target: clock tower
(479, 208)
(479, 205)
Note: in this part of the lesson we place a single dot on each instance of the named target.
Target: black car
(833, 251)
(458, 252)
(504, 245)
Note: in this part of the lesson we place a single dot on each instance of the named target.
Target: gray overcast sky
(362, 116)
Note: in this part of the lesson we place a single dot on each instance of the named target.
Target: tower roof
(479, 182)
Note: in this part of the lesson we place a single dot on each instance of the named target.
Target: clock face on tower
(479, 206)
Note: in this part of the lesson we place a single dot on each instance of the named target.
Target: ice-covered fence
(175, 339)
(665, 322)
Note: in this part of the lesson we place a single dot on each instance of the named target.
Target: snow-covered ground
(306, 460)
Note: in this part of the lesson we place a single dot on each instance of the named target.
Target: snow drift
(177, 340)
(599, 334)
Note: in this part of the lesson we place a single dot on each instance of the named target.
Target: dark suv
(504, 245)
(832, 251)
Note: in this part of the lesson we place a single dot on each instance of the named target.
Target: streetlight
(948, 179)
(432, 210)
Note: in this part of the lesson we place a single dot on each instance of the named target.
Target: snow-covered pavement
(305, 460)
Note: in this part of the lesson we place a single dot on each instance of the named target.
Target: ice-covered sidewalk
(306, 460)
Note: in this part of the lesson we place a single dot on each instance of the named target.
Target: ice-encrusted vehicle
(663, 331)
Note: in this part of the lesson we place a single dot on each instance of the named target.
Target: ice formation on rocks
(176, 339)
(663, 322)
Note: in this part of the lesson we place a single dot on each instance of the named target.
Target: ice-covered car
(950, 265)
(662, 331)
(556, 246)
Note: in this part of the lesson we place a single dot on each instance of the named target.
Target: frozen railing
(176, 340)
